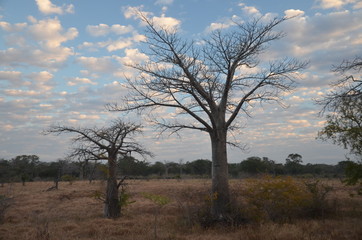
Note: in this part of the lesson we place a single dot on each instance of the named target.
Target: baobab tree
(212, 83)
(105, 143)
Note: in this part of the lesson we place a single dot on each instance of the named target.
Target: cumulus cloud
(250, 10)
(105, 65)
(51, 32)
(14, 78)
(104, 29)
(41, 81)
(164, 2)
(223, 23)
(113, 44)
(168, 23)
(133, 56)
(293, 13)
(78, 80)
(38, 44)
(47, 7)
(312, 37)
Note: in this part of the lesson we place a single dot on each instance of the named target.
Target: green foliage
(98, 195)
(125, 198)
(160, 201)
(344, 126)
(157, 199)
(253, 165)
(68, 178)
(353, 173)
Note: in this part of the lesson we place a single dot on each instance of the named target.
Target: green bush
(125, 198)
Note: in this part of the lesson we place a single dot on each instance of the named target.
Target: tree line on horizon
(26, 168)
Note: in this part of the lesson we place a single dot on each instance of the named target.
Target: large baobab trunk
(220, 181)
(111, 207)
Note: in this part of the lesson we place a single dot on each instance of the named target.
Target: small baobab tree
(105, 143)
(212, 84)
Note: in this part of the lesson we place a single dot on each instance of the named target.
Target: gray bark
(220, 180)
(111, 206)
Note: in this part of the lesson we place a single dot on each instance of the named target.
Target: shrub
(275, 199)
(125, 198)
(160, 201)
(319, 206)
(284, 199)
(353, 173)
(68, 178)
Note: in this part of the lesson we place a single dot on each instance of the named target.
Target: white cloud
(120, 29)
(17, 27)
(21, 93)
(293, 13)
(312, 37)
(78, 80)
(168, 23)
(338, 4)
(135, 56)
(38, 44)
(105, 64)
(118, 44)
(47, 7)
(104, 29)
(98, 30)
(114, 45)
(249, 10)
(13, 77)
(51, 32)
(330, 3)
(164, 2)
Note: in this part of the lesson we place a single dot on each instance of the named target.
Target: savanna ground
(73, 212)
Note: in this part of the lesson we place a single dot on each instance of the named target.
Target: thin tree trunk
(91, 174)
(220, 178)
(111, 207)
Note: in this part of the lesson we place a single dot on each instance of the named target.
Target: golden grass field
(71, 212)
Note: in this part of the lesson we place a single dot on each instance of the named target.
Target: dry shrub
(319, 206)
(282, 199)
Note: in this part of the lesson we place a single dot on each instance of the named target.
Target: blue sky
(62, 61)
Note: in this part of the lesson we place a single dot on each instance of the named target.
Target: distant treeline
(30, 168)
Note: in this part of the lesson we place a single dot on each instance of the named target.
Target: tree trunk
(111, 207)
(220, 177)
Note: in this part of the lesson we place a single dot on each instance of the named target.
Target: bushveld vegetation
(263, 208)
(29, 168)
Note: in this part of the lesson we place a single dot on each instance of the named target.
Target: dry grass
(72, 213)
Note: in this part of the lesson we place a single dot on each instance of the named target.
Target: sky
(61, 62)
